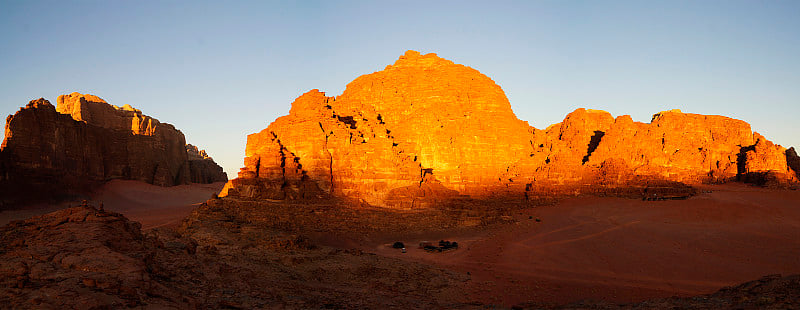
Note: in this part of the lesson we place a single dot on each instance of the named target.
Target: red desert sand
(151, 205)
(624, 250)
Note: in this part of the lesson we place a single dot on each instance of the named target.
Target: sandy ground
(624, 250)
(152, 206)
(613, 249)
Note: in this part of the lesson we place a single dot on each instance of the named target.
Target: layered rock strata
(427, 129)
(202, 168)
(51, 151)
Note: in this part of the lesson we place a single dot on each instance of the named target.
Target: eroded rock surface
(425, 129)
(202, 168)
(793, 161)
(87, 258)
(80, 258)
(50, 152)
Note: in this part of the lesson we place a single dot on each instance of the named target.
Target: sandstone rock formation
(425, 129)
(92, 110)
(202, 168)
(793, 161)
(49, 152)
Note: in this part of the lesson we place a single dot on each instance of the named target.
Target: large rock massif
(426, 129)
(51, 151)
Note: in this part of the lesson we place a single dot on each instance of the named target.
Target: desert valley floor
(150, 205)
(613, 250)
(625, 250)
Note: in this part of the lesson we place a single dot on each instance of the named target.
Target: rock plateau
(426, 129)
(56, 152)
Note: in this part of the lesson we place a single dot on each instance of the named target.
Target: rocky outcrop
(765, 163)
(56, 152)
(87, 258)
(426, 129)
(82, 257)
(202, 168)
(92, 110)
(422, 120)
(689, 148)
(793, 161)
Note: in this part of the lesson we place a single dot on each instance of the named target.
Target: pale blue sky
(223, 69)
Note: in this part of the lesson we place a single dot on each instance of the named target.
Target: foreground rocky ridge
(84, 258)
(426, 130)
(84, 141)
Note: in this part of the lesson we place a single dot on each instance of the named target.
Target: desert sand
(583, 248)
(586, 248)
(151, 205)
(626, 250)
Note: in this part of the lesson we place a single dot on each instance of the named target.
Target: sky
(220, 70)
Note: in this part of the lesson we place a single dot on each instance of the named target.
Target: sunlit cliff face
(96, 111)
(425, 127)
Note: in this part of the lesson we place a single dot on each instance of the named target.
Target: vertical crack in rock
(282, 152)
(330, 156)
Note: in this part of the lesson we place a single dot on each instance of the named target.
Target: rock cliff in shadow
(793, 161)
(202, 168)
(56, 152)
(426, 129)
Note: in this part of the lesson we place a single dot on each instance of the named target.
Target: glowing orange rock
(93, 110)
(422, 115)
(765, 163)
(425, 128)
(678, 146)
